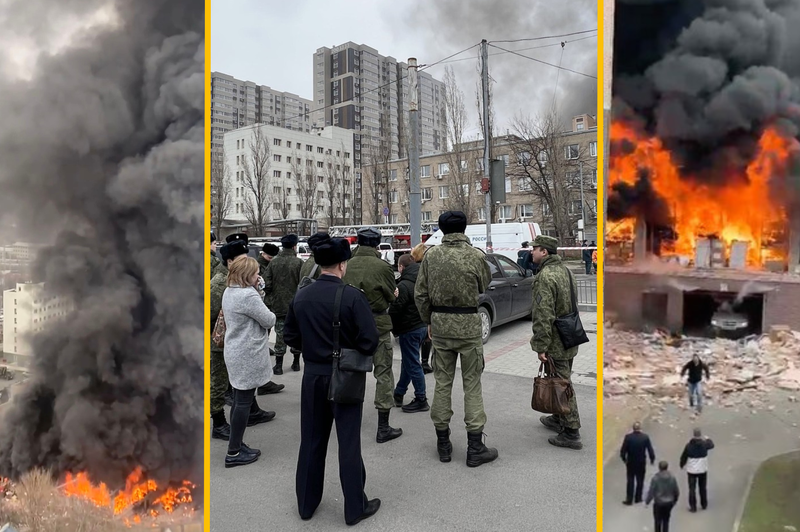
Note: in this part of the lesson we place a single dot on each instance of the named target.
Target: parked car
(508, 297)
(387, 253)
(729, 324)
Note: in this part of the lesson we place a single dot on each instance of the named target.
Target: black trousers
(635, 482)
(694, 480)
(661, 515)
(317, 415)
(244, 403)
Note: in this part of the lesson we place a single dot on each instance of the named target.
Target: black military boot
(277, 369)
(477, 452)
(398, 400)
(443, 444)
(269, 388)
(569, 438)
(385, 432)
(552, 423)
(417, 405)
(221, 429)
(296, 362)
(229, 397)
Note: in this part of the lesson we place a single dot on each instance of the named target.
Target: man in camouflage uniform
(552, 298)
(308, 265)
(375, 278)
(268, 252)
(215, 262)
(451, 278)
(280, 286)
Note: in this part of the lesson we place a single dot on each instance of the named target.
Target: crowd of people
(349, 299)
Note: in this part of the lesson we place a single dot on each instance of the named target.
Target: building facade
(306, 175)
(573, 163)
(27, 310)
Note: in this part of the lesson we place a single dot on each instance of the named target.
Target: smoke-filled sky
(102, 148)
(272, 43)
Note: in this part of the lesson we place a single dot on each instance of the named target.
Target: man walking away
(552, 290)
(373, 276)
(695, 369)
(309, 328)
(664, 495)
(695, 460)
(451, 278)
(408, 326)
(587, 257)
(280, 286)
(635, 448)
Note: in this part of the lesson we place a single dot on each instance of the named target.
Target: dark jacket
(695, 455)
(366, 271)
(524, 259)
(309, 324)
(635, 448)
(263, 264)
(281, 280)
(403, 311)
(663, 489)
(695, 371)
(587, 255)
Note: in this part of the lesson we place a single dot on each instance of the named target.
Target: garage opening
(718, 314)
(654, 309)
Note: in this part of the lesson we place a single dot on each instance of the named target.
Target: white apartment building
(27, 310)
(288, 149)
(19, 251)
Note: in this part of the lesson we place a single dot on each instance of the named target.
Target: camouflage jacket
(216, 265)
(308, 265)
(281, 280)
(375, 278)
(452, 274)
(218, 283)
(263, 264)
(551, 298)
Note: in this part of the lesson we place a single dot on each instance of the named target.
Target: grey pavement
(531, 486)
(743, 440)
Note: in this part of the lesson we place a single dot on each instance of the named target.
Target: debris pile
(743, 372)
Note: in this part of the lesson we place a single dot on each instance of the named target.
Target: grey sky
(272, 43)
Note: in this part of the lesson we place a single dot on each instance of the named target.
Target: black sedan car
(508, 297)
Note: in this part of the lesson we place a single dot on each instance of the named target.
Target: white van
(507, 238)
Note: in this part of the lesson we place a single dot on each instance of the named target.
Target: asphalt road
(531, 486)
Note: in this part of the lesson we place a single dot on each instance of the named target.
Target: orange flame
(742, 210)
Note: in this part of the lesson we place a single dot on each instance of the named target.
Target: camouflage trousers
(573, 419)
(384, 386)
(445, 354)
(280, 347)
(219, 381)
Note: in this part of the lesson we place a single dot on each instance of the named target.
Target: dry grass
(41, 507)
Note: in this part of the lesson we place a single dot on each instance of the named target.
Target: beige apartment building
(29, 309)
(544, 178)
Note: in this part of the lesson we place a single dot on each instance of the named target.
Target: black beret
(213, 237)
(289, 241)
(332, 251)
(236, 236)
(316, 239)
(233, 249)
(369, 236)
(270, 249)
(453, 222)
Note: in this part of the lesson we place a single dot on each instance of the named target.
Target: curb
(587, 308)
(738, 521)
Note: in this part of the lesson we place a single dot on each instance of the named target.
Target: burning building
(703, 173)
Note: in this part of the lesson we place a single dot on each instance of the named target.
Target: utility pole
(583, 213)
(414, 196)
(486, 139)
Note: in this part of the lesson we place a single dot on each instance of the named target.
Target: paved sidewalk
(743, 440)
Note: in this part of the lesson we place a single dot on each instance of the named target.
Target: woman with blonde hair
(418, 253)
(248, 321)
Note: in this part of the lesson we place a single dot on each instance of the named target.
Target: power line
(545, 62)
(548, 37)
(521, 49)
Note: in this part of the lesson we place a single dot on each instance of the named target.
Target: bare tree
(256, 163)
(220, 190)
(376, 177)
(306, 179)
(336, 170)
(462, 195)
(548, 164)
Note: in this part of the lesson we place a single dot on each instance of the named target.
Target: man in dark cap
(219, 372)
(553, 288)
(309, 328)
(268, 252)
(280, 285)
(308, 269)
(237, 236)
(373, 276)
(215, 262)
(451, 278)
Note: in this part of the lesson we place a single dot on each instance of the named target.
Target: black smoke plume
(638, 201)
(102, 156)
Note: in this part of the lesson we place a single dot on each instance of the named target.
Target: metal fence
(587, 291)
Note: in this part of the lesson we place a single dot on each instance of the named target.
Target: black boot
(269, 388)
(477, 452)
(569, 438)
(229, 397)
(398, 400)
(296, 362)
(552, 423)
(221, 430)
(277, 369)
(369, 511)
(417, 405)
(243, 457)
(385, 432)
(443, 444)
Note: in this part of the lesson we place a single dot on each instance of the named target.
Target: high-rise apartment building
(236, 103)
(27, 310)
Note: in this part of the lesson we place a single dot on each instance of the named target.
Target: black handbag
(308, 279)
(569, 327)
(350, 368)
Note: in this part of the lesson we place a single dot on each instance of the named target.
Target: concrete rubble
(743, 372)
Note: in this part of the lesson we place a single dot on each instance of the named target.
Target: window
(427, 193)
(392, 175)
(546, 209)
(444, 169)
(393, 196)
(237, 144)
(276, 190)
(237, 160)
(593, 149)
(465, 189)
(276, 158)
(426, 216)
(571, 151)
(320, 149)
(524, 158)
(463, 165)
(276, 206)
(526, 211)
(346, 155)
(509, 268)
(309, 163)
(425, 171)
(508, 184)
(289, 176)
(504, 158)
(575, 207)
(299, 160)
(298, 145)
(482, 213)
(393, 219)
(276, 142)
(276, 173)
(443, 192)
(580, 126)
(479, 164)
(594, 178)
(525, 184)
(309, 147)
(320, 164)
(506, 212)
